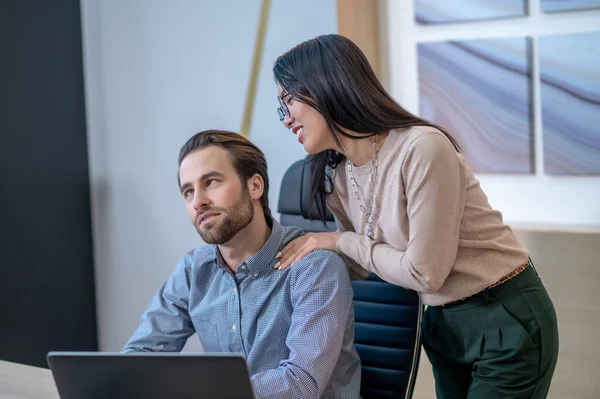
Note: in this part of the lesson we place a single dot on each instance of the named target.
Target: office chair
(388, 318)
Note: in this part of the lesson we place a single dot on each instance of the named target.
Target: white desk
(18, 381)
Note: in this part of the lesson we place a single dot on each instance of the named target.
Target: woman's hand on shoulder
(302, 246)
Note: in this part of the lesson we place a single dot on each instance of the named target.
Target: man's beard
(234, 219)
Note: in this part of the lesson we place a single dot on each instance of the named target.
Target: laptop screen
(150, 375)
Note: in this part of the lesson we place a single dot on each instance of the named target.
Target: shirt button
(233, 327)
(243, 267)
(255, 274)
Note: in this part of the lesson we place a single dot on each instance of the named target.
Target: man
(295, 326)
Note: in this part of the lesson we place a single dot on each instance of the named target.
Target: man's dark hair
(246, 158)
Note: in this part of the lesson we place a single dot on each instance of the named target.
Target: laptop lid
(150, 375)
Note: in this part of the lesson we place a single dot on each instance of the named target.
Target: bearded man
(294, 326)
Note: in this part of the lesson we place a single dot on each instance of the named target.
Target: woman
(409, 209)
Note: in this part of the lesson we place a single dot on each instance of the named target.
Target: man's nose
(200, 200)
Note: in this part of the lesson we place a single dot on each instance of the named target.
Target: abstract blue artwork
(570, 95)
(480, 90)
(447, 11)
(568, 5)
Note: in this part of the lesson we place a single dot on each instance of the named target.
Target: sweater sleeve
(435, 187)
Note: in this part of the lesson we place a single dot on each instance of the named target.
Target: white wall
(538, 200)
(156, 72)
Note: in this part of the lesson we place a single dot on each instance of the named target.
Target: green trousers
(500, 343)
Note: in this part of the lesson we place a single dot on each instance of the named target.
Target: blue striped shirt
(295, 327)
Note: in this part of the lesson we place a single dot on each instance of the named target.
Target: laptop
(102, 375)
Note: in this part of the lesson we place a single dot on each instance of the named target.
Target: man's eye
(187, 193)
(210, 182)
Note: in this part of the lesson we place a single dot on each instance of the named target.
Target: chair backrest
(388, 317)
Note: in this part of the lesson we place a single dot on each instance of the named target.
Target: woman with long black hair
(409, 209)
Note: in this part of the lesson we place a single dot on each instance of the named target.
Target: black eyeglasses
(283, 110)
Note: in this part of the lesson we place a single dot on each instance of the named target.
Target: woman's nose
(288, 120)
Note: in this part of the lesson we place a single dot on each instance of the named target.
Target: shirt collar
(264, 259)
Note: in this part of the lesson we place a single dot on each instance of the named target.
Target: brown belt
(504, 279)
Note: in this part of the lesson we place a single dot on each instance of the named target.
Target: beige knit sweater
(435, 231)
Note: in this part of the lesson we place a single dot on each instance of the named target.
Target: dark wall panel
(46, 268)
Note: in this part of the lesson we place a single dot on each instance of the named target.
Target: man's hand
(302, 246)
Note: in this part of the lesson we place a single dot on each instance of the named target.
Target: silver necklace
(366, 208)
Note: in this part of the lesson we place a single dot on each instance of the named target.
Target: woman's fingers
(302, 246)
(290, 253)
(290, 258)
(298, 253)
(303, 252)
(287, 253)
(290, 247)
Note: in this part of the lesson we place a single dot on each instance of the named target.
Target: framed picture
(570, 96)
(568, 5)
(448, 11)
(480, 91)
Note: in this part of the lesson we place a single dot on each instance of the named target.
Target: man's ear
(256, 186)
